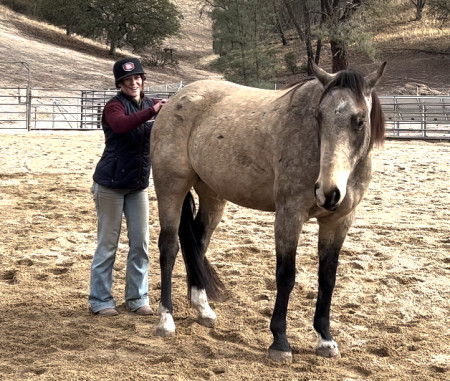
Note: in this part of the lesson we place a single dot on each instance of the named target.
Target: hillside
(417, 61)
(58, 61)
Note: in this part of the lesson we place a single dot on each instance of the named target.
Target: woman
(120, 186)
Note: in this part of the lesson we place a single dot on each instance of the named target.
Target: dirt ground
(389, 314)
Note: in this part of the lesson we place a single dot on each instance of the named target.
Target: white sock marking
(200, 301)
(166, 323)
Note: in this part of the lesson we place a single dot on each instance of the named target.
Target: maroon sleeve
(121, 123)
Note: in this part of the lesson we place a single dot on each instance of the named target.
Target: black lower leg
(285, 284)
(168, 247)
(328, 262)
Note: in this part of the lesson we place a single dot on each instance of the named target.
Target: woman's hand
(159, 104)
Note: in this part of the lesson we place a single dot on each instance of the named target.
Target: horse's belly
(239, 185)
(240, 176)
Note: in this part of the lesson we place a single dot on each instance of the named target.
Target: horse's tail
(200, 273)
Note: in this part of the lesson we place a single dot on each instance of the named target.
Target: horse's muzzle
(330, 200)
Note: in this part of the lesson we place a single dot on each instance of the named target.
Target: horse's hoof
(206, 316)
(280, 356)
(166, 326)
(163, 332)
(207, 321)
(327, 348)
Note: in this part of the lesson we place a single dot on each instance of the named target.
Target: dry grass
(59, 61)
(426, 34)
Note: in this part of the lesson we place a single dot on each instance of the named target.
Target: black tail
(200, 273)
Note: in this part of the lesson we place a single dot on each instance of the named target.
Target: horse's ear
(373, 78)
(321, 74)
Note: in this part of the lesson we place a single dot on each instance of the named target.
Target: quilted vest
(125, 162)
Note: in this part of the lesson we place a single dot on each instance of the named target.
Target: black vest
(125, 163)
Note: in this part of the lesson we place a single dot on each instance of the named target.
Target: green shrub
(290, 60)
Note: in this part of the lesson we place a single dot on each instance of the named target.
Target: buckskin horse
(302, 152)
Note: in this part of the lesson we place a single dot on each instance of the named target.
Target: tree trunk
(112, 48)
(309, 49)
(318, 51)
(281, 32)
(419, 5)
(418, 14)
(339, 54)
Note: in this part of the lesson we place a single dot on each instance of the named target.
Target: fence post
(99, 115)
(423, 121)
(82, 108)
(28, 108)
(396, 118)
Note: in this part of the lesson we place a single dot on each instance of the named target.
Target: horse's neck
(307, 94)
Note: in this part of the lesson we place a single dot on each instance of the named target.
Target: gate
(93, 101)
(56, 109)
(14, 101)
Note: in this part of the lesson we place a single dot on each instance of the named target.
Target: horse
(302, 152)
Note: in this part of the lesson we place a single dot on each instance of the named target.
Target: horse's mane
(356, 83)
(293, 87)
(377, 121)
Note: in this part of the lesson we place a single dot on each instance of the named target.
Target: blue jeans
(111, 204)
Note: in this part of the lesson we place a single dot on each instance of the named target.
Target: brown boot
(107, 312)
(144, 310)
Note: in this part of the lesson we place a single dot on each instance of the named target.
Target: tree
(338, 16)
(440, 10)
(244, 35)
(68, 15)
(303, 15)
(419, 5)
(137, 24)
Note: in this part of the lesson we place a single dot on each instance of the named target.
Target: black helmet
(126, 67)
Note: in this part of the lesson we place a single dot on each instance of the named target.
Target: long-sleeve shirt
(121, 123)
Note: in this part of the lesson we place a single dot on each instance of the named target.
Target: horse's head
(350, 123)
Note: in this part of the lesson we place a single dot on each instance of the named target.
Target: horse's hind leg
(331, 237)
(208, 217)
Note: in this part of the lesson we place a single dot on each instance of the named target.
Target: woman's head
(129, 76)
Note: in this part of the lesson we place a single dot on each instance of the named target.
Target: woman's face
(132, 86)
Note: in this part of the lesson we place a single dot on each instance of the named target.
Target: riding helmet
(126, 67)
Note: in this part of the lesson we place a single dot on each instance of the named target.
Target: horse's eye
(358, 123)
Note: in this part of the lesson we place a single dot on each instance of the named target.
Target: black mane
(348, 79)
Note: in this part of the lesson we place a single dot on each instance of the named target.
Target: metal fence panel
(13, 108)
(56, 109)
(408, 117)
(417, 117)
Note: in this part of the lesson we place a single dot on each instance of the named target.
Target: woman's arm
(121, 123)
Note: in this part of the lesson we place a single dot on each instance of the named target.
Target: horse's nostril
(332, 199)
(317, 186)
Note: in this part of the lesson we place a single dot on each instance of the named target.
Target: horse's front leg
(331, 237)
(287, 230)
